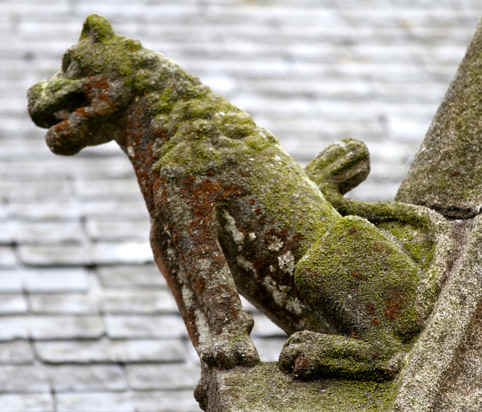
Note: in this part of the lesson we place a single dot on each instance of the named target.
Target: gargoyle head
(82, 104)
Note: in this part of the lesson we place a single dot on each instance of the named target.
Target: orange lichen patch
(81, 112)
(62, 126)
(393, 307)
(359, 276)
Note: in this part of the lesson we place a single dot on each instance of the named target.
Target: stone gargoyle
(232, 213)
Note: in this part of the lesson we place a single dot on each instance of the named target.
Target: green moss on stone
(265, 388)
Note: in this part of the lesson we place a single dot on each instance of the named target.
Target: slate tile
(65, 327)
(12, 328)
(137, 350)
(54, 255)
(163, 401)
(17, 190)
(10, 281)
(63, 303)
(47, 210)
(107, 188)
(128, 208)
(166, 326)
(98, 402)
(38, 402)
(23, 378)
(163, 376)
(87, 378)
(13, 304)
(128, 276)
(16, 352)
(138, 301)
(48, 232)
(7, 257)
(7, 234)
(172, 350)
(55, 280)
(58, 352)
(110, 253)
(114, 230)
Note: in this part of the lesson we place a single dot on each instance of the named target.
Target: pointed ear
(97, 27)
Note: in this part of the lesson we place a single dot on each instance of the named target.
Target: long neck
(137, 142)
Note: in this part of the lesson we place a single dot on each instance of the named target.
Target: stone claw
(308, 355)
(228, 351)
(341, 166)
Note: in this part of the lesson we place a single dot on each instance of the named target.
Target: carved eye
(66, 62)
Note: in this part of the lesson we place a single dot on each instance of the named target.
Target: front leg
(199, 276)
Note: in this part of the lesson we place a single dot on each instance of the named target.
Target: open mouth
(73, 103)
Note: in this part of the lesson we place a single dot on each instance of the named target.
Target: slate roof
(86, 322)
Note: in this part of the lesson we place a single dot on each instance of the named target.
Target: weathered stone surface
(265, 388)
(439, 371)
(447, 172)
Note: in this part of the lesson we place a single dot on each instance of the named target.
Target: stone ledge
(264, 388)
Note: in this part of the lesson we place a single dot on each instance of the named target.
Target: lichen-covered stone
(446, 174)
(265, 389)
(232, 212)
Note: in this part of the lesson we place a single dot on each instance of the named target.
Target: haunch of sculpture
(232, 212)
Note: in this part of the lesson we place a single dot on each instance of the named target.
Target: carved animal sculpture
(232, 213)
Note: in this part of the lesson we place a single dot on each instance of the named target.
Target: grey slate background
(86, 322)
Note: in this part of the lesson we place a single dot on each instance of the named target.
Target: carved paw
(342, 166)
(229, 350)
(309, 355)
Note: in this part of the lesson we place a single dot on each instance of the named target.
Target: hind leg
(366, 286)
